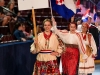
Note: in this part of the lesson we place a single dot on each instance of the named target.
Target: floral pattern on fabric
(45, 68)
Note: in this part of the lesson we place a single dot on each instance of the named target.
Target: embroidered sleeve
(60, 33)
(61, 43)
(59, 46)
(93, 45)
(33, 49)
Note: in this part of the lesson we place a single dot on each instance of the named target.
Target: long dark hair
(17, 25)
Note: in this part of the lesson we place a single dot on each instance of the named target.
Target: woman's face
(11, 6)
(72, 27)
(84, 28)
(47, 26)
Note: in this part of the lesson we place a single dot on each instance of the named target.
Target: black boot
(89, 74)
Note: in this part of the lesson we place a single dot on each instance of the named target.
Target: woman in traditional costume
(47, 47)
(73, 47)
(88, 67)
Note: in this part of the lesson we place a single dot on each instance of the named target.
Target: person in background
(30, 20)
(79, 25)
(18, 33)
(39, 29)
(10, 6)
(2, 3)
(19, 17)
(88, 67)
(97, 23)
(27, 35)
(48, 49)
(4, 20)
(10, 14)
(73, 48)
(94, 31)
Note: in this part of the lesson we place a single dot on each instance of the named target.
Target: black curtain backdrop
(16, 59)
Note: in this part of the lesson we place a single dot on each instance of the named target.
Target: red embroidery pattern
(83, 49)
(47, 36)
(84, 37)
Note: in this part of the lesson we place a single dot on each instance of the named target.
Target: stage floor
(97, 71)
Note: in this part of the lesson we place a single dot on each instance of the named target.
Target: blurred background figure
(4, 20)
(18, 33)
(93, 30)
(39, 29)
(2, 2)
(27, 35)
(30, 20)
(10, 7)
(19, 17)
(79, 25)
(10, 11)
(98, 27)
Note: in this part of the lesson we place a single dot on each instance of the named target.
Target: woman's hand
(35, 41)
(53, 21)
(93, 56)
(55, 53)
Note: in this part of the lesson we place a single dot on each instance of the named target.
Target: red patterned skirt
(70, 61)
(45, 68)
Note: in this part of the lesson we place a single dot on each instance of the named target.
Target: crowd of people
(10, 15)
(77, 46)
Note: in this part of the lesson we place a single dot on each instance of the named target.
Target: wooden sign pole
(34, 23)
(35, 28)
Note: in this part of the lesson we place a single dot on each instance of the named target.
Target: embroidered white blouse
(93, 44)
(70, 38)
(53, 45)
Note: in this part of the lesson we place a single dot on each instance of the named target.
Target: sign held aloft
(32, 4)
